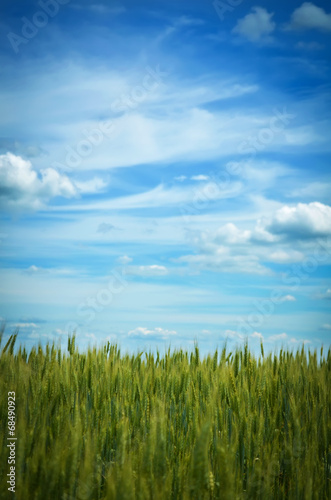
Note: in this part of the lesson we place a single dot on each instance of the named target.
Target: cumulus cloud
(22, 187)
(256, 26)
(233, 249)
(157, 333)
(302, 221)
(309, 16)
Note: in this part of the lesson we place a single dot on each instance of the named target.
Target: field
(106, 425)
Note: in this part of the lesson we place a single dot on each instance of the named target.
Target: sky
(165, 173)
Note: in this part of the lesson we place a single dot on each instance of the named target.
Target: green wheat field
(108, 425)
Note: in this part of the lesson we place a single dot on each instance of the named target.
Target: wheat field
(106, 425)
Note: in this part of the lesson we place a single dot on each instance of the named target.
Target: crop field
(108, 425)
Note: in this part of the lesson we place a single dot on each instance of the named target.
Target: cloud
(22, 187)
(162, 196)
(225, 250)
(28, 319)
(280, 336)
(95, 185)
(181, 178)
(293, 340)
(256, 26)
(100, 8)
(309, 16)
(309, 46)
(257, 335)
(225, 263)
(302, 221)
(200, 177)
(326, 295)
(233, 334)
(285, 257)
(124, 259)
(153, 270)
(59, 331)
(326, 327)
(104, 228)
(288, 298)
(246, 250)
(90, 336)
(156, 333)
(314, 190)
(25, 325)
(35, 270)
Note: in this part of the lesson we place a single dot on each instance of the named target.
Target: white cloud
(225, 250)
(326, 327)
(35, 270)
(59, 331)
(280, 336)
(25, 325)
(293, 340)
(229, 233)
(233, 249)
(162, 196)
(314, 190)
(233, 334)
(124, 259)
(225, 263)
(257, 335)
(181, 178)
(153, 270)
(22, 187)
(288, 298)
(302, 221)
(142, 332)
(200, 177)
(309, 16)
(256, 26)
(285, 257)
(95, 185)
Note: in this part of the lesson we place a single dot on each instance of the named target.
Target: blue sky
(164, 172)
